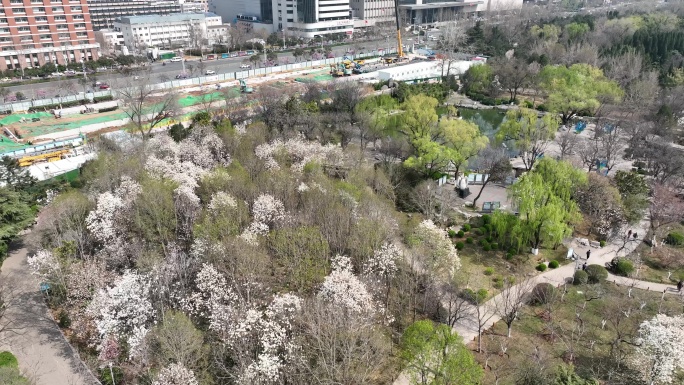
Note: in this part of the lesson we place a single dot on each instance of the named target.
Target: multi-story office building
(431, 11)
(104, 12)
(189, 30)
(311, 18)
(36, 32)
(260, 11)
(367, 13)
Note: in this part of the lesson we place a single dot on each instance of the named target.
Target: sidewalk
(44, 355)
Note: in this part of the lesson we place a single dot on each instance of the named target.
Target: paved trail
(467, 328)
(43, 353)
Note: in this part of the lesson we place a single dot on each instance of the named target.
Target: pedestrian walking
(588, 253)
(629, 234)
(635, 236)
(680, 284)
(584, 267)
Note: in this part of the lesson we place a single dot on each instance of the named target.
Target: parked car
(176, 59)
(210, 72)
(97, 84)
(245, 66)
(104, 86)
(6, 79)
(57, 74)
(182, 76)
(70, 73)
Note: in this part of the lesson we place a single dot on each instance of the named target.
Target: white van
(176, 59)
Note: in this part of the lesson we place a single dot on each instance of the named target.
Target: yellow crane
(49, 157)
(400, 48)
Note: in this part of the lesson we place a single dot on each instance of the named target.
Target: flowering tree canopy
(176, 374)
(441, 257)
(661, 348)
(344, 289)
(300, 150)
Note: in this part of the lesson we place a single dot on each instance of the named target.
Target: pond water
(489, 120)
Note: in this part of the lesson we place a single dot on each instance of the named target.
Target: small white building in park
(155, 30)
(424, 70)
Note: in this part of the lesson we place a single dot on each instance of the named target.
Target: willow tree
(529, 133)
(544, 199)
(580, 88)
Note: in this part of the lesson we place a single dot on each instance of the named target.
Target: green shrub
(581, 277)
(64, 321)
(473, 296)
(8, 359)
(542, 108)
(528, 104)
(486, 228)
(466, 227)
(509, 256)
(489, 271)
(554, 264)
(106, 375)
(541, 267)
(675, 238)
(105, 98)
(469, 240)
(55, 106)
(486, 219)
(487, 247)
(498, 282)
(452, 233)
(477, 231)
(602, 243)
(596, 273)
(460, 233)
(495, 246)
(489, 239)
(543, 293)
(483, 242)
(114, 108)
(621, 266)
(460, 245)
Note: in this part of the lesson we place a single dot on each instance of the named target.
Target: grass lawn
(570, 330)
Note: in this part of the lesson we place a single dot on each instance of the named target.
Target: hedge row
(73, 103)
(101, 110)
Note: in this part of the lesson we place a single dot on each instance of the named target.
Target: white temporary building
(424, 70)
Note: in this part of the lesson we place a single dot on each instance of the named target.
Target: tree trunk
(484, 184)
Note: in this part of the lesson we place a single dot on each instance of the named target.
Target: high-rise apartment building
(368, 13)
(311, 18)
(36, 32)
(104, 12)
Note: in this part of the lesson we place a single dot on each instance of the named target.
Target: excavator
(400, 48)
(244, 88)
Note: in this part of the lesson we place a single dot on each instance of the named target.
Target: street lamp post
(85, 75)
(180, 51)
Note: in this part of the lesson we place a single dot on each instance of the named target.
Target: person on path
(680, 284)
(635, 236)
(629, 234)
(588, 253)
(584, 267)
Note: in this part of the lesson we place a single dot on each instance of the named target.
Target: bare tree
(145, 106)
(589, 152)
(567, 142)
(513, 75)
(512, 299)
(666, 207)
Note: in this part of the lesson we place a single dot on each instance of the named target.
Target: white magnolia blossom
(220, 200)
(101, 221)
(441, 257)
(383, 262)
(343, 288)
(660, 350)
(124, 310)
(302, 188)
(241, 128)
(213, 300)
(176, 374)
(275, 349)
(266, 211)
(300, 150)
(43, 264)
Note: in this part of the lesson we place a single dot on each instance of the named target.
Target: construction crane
(400, 48)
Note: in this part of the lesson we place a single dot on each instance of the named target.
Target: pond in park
(489, 120)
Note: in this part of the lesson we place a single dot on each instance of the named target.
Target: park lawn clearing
(531, 331)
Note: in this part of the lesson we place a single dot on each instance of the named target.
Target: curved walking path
(43, 353)
(467, 328)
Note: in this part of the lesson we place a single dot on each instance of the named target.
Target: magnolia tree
(343, 288)
(381, 267)
(176, 374)
(124, 311)
(440, 254)
(266, 212)
(213, 300)
(660, 350)
(300, 151)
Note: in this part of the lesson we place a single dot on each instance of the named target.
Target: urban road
(159, 73)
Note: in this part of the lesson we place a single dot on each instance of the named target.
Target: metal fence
(197, 81)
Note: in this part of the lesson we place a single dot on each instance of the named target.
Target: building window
(41, 19)
(5, 39)
(24, 29)
(39, 10)
(47, 45)
(3, 20)
(78, 17)
(64, 36)
(8, 48)
(78, 8)
(36, 1)
(82, 34)
(83, 42)
(18, 10)
(16, 2)
(46, 37)
(26, 38)
(79, 25)
(43, 28)
(21, 19)
(57, 9)
(60, 18)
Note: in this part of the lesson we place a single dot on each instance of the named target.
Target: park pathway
(467, 328)
(44, 354)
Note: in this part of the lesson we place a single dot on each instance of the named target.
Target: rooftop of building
(174, 17)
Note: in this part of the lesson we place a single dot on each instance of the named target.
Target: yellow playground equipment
(47, 157)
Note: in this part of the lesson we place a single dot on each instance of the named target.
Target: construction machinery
(244, 88)
(47, 157)
(400, 47)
